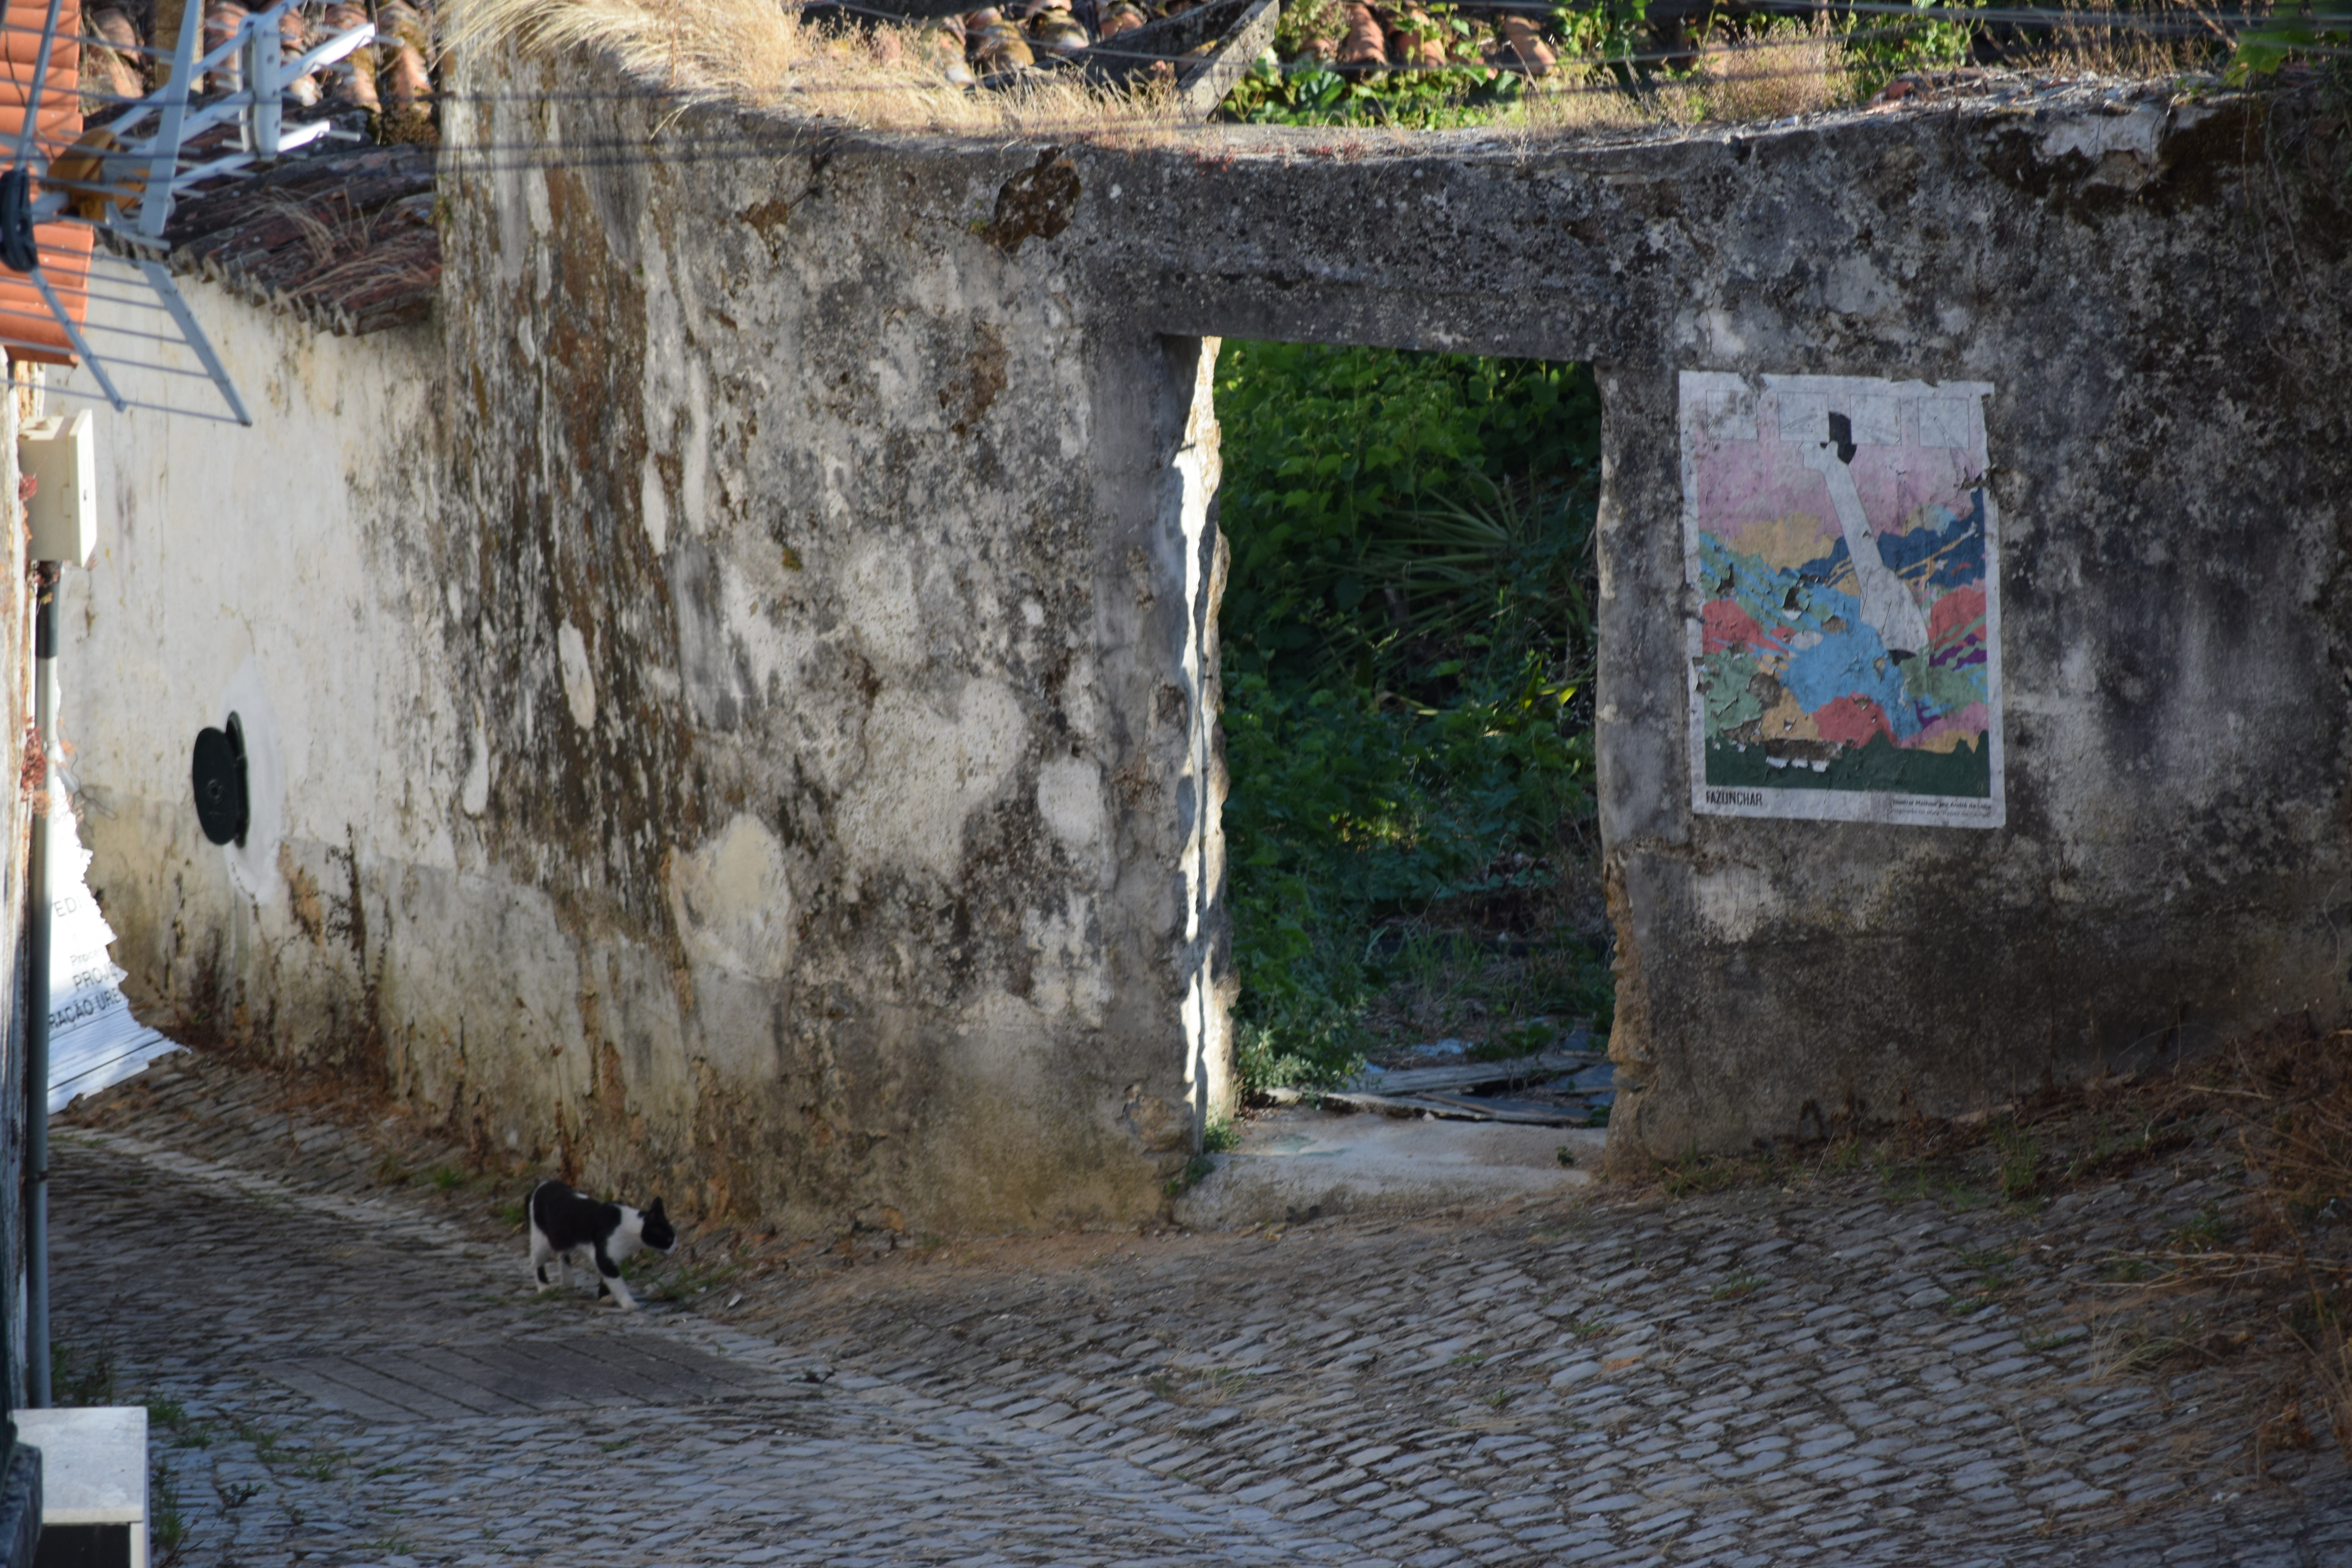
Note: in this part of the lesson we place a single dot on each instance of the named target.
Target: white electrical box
(59, 454)
(93, 1482)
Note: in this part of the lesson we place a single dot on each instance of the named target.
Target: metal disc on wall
(218, 775)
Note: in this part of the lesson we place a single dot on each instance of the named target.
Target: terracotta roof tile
(343, 238)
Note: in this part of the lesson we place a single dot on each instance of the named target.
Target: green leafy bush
(2291, 34)
(1880, 46)
(1744, 69)
(1271, 94)
(1407, 632)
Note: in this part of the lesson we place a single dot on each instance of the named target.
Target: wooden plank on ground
(1478, 1075)
(408, 1364)
(1204, 88)
(1460, 1108)
(690, 1377)
(1515, 1109)
(411, 1400)
(592, 1376)
(302, 1379)
(487, 1366)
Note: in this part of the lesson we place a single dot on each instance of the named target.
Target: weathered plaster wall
(835, 596)
(289, 573)
(728, 727)
(772, 738)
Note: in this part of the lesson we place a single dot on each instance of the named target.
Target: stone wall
(2148, 288)
(292, 574)
(751, 660)
(835, 594)
(728, 726)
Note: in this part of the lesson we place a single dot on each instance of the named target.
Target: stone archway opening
(1405, 639)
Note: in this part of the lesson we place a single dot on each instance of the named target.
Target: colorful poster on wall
(1845, 656)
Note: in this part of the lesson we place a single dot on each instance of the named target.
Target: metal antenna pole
(36, 996)
(25, 143)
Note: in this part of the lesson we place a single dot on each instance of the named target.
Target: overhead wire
(619, 154)
(669, 145)
(2200, 24)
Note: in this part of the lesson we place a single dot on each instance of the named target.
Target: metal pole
(26, 139)
(37, 997)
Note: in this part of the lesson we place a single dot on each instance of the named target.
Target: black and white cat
(564, 1224)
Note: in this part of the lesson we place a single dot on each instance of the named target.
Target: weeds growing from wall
(1576, 66)
(1608, 65)
(1407, 642)
(1604, 66)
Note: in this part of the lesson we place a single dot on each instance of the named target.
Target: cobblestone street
(1825, 1375)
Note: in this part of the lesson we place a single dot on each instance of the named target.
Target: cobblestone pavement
(1820, 1375)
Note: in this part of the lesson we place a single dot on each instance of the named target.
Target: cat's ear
(655, 1209)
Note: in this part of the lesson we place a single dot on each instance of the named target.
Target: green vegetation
(167, 1525)
(1412, 100)
(1288, 86)
(1991, 1266)
(1876, 47)
(1407, 632)
(1443, 66)
(2021, 1162)
(678, 1278)
(76, 1380)
(1738, 1287)
(186, 1431)
(1440, 66)
(2206, 1233)
(1196, 1170)
(2294, 34)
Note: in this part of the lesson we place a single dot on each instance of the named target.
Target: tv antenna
(122, 178)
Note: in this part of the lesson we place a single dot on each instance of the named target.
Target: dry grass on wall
(759, 55)
(1587, 101)
(1789, 67)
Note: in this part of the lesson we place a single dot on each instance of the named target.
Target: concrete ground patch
(1302, 1164)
